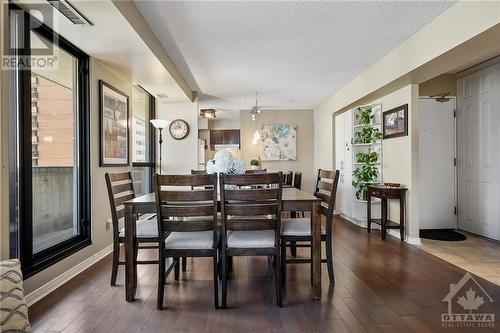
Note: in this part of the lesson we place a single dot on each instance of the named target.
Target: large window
(143, 110)
(50, 179)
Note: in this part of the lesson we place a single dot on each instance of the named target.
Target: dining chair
(251, 221)
(297, 180)
(255, 171)
(120, 189)
(287, 178)
(297, 183)
(299, 229)
(180, 237)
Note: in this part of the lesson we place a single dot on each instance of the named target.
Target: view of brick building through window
(52, 122)
(54, 167)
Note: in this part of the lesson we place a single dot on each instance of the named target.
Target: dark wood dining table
(293, 200)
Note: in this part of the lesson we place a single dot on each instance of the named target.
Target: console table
(385, 194)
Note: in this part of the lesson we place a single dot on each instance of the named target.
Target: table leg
(383, 220)
(130, 244)
(316, 250)
(402, 217)
(368, 212)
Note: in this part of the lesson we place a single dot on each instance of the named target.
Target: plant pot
(254, 167)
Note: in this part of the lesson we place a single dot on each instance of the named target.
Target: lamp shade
(160, 123)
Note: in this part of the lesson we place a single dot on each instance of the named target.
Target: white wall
(179, 156)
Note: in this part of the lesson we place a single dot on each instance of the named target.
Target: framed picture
(395, 122)
(279, 142)
(113, 129)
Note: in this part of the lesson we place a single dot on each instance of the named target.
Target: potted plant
(254, 164)
(366, 173)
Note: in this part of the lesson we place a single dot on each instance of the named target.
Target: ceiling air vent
(70, 12)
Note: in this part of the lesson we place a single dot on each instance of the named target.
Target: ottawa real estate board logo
(467, 305)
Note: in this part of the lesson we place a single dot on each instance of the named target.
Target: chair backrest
(199, 172)
(175, 201)
(248, 207)
(287, 177)
(255, 171)
(120, 189)
(326, 190)
(297, 180)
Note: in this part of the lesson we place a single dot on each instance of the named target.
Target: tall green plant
(369, 157)
(364, 115)
(367, 135)
(366, 173)
(361, 177)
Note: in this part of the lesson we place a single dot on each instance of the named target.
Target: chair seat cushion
(198, 240)
(251, 239)
(298, 227)
(144, 229)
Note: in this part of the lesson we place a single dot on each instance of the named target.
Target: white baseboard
(409, 240)
(52, 285)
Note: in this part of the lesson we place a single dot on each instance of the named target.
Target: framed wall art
(395, 122)
(113, 129)
(279, 142)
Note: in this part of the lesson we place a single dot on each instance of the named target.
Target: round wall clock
(178, 129)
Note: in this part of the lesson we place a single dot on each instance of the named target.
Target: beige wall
(305, 127)
(101, 237)
(446, 83)
(224, 124)
(179, 156)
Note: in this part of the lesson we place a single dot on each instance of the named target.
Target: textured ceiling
(295, 54)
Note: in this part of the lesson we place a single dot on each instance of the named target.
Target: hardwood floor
(380, 287)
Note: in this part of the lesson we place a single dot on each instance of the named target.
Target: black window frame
(32, 263)
(152, 139)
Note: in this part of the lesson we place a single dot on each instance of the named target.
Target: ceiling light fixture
(255, 110)
(208, 113)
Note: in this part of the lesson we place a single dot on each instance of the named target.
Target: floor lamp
(160, 124)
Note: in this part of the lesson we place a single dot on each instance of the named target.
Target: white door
(343, 162)
(436, 164)
(339, 160)
(347, 172)
(478, 154)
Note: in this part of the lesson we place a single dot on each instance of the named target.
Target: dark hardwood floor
(380, 287)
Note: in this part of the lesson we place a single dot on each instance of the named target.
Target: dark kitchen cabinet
(224, 137)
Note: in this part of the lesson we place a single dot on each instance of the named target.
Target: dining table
(292, 200)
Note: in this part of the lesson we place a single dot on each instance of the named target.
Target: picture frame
(114, 129)
(395, 122)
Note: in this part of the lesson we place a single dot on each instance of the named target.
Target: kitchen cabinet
(224, 137)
